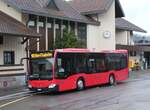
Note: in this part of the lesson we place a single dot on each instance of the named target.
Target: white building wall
(11, 11)
(121, 37)
(130, 38)
(12, 44)
(95, 38)
(17, 77)
(124, 37)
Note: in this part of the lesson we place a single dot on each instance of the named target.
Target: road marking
(13, 95)
(17, 100)
(6, 104)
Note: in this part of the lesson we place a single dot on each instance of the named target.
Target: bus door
(96, 69)
(64, 71)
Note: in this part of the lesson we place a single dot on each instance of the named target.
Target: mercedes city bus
(68, 69)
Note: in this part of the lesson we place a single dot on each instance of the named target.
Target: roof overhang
(118, 9)
(20, 35)
(99, 11)
(122, 24)
(53, 16)
(127, 29)
(12, 27)
(60, 17)
(137, 48)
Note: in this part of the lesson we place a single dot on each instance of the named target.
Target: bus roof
(87, 50)
(73, 50)
(114, 51)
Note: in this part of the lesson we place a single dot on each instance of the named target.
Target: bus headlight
(51, 86)
(29, 86)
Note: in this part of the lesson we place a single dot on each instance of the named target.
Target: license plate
(39, 89)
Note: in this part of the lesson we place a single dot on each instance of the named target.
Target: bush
(69, 40)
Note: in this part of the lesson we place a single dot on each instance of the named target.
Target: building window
(9, 57)
(42, 21)
(82, 31)
(1, 40)
(32, 20)
(82, 34)
(133, 53)
(72, 26)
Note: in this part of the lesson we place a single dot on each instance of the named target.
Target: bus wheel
(80, 84)
(112, 80)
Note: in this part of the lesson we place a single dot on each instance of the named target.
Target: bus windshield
(41, 68)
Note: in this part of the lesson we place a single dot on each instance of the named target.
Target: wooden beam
(54, 30)
(38, 39)
(46, 34)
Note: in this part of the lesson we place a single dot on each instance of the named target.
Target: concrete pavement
(139, 74)
(8, 91)
(125, 96)
(23, 90)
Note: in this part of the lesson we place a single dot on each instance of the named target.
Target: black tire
(80, 84)
(112, 80)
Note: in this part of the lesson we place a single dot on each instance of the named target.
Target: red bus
(68, 69)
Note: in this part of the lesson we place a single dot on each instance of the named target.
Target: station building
(92, 21)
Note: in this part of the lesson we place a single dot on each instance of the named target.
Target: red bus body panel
(90, 80)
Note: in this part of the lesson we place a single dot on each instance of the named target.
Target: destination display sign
(41, 54)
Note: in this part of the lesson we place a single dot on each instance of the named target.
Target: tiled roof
(87, 7)
(39, 7)
(10, 26)
(126, 25)
(91, 6)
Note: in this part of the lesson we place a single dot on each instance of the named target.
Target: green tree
(68, 40)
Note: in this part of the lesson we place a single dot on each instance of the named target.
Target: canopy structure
(11, 27)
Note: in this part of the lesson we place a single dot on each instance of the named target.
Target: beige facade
(121, 37)
(12, 44)
(102, 37)
(124, 37)
(12, 75)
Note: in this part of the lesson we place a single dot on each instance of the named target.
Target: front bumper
(36, 89)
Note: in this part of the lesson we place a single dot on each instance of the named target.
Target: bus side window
(91, 63)
(123, 62)
(100, 65)
(80, 63)
(60, 68)
(113, 62)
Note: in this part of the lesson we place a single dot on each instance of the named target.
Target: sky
(137, 12)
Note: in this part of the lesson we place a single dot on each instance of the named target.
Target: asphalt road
(129, 95)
